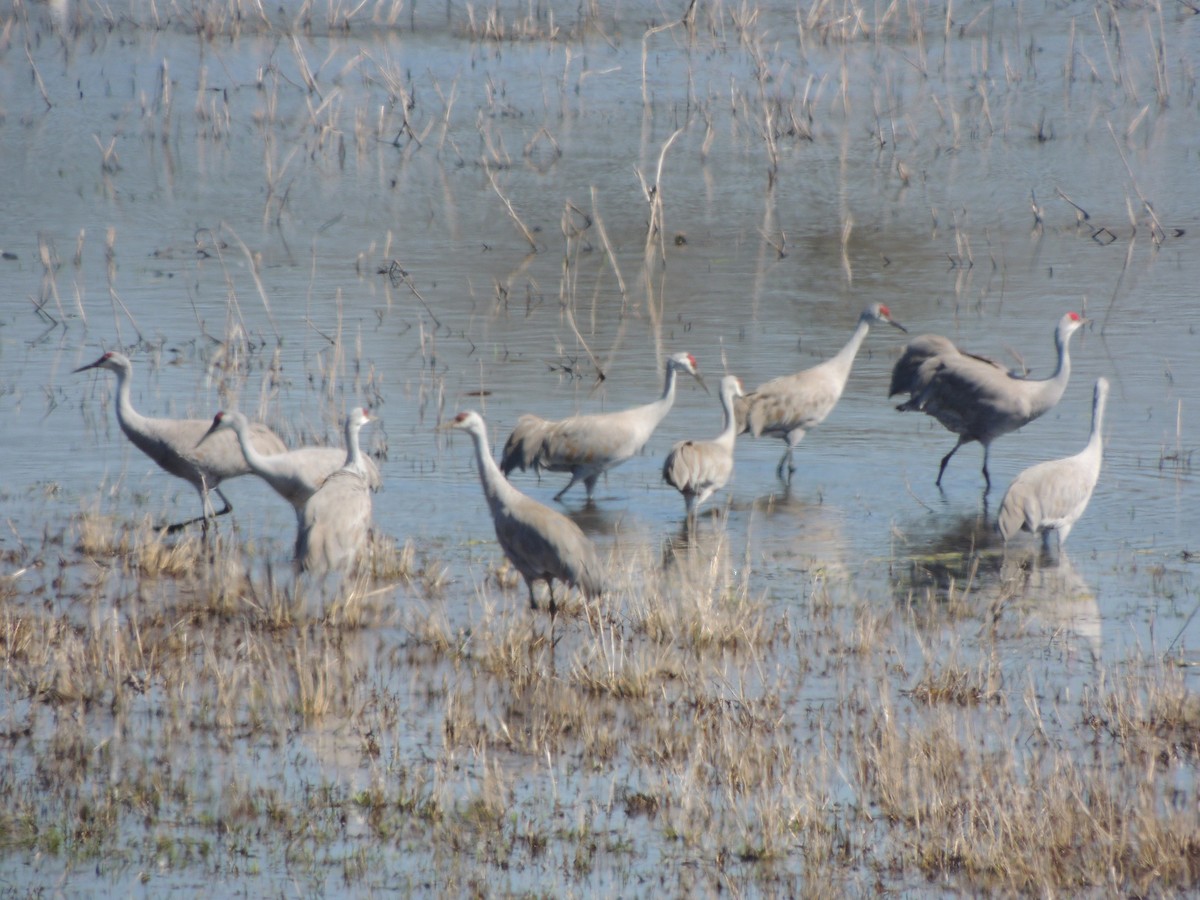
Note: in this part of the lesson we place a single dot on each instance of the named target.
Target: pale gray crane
(295, 474)
(975, 397)
(541, 543)
(790, 405)
(1051, 496)
(697, 469)
(587, 446)
(336, 520)
(172, 442)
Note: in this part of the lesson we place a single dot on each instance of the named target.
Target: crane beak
(94, 365)
(215, 425)
(700, 378)
(896, 324)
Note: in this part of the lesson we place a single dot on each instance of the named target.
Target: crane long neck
(845, 357)
(130, 420)
(258, 463)
(1050, 390)
(1096, 439)
(495, 486)
(728, 433)
(353, 455)
(657, 411)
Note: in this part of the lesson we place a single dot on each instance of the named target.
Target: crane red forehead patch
(1074, 316)
(884, 310)
(461, 417)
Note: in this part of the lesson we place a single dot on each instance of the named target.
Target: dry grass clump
(1010, 815)
(1154, 714)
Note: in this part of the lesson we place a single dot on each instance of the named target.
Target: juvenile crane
(699, 468)
(172, 442)
(975, 397)
(335, 521)
(1051, 496)
(788, 406)
(541, 543)
(295, 474)
(588, 446)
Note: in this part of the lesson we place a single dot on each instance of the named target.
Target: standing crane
(295, 474)
(335, 521)
(790, 405)
(699, 468)
(588, 446)
(975, 397)
(541, 543)
(172, 442)
(1051, 496)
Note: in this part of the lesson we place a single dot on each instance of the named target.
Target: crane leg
(532, 601)
(946, 459)
(590, 484)
(553, 604)
(570, 484)
(785, 465)
(987, 479)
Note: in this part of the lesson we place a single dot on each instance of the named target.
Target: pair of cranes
(970, 395)
(329, 488)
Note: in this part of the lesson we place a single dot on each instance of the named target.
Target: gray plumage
(294, 474)
(172, 443)
(1051, 496)
(973, 396)
(541, 543)
(335, 521)
(786, 407)
(699, 468)
(588, 446)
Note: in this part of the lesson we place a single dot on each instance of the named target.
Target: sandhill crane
(699, 468)
(790, 405)
(973, 396)
(1051, 496)
(172, 442)
(295, 474)
(335, 521)
(541, 543)
(588, 446)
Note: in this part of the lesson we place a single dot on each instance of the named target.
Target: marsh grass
(678, 689)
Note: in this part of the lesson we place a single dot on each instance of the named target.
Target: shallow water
(247, 214)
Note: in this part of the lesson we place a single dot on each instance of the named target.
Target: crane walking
(295, 474)
(1051, 496)
(975, 397)
(172, 443)
(335, 521)
(790, 405)
(541, 543)
(697, 469)
(587, 446)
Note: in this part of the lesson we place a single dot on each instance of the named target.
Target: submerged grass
(665, 718)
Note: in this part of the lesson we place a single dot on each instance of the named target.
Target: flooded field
(844, 683)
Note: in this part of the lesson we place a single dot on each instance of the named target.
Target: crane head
(685, 362)
(112, 360)
(880, 313)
